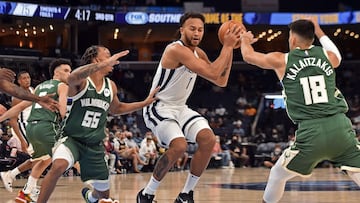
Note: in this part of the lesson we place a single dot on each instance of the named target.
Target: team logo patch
(106, 92)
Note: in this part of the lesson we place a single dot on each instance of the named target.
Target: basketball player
(18, 122)
(91, 97)
(42, 129)
(307, 73)
(7, 86)
(169, 118)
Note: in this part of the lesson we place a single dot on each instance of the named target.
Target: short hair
(21, 73)
(56, 63)
(304, 28)
(90, 54)
(191, 15)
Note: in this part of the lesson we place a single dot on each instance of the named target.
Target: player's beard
(190, 41)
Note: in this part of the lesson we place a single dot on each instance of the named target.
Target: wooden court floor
(216, 185)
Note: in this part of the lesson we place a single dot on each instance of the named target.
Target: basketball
(225, 27)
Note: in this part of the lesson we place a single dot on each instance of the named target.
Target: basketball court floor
(216, 186)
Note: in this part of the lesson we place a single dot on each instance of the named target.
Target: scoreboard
(87, 15)
(54, 12)
(159, 17)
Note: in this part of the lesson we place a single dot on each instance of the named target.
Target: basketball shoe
(140, 198)
(24, 198)
(185, 198)
(85, 193)
(7, 180)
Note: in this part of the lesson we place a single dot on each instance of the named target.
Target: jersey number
(91, 119)
(41, 94)
(314, 89)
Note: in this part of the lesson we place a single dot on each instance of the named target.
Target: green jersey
(87, 113)
(309, 85)
(38, 113)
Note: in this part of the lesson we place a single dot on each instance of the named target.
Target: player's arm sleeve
(328, 45)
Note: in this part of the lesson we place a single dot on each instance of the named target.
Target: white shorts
(170, 122)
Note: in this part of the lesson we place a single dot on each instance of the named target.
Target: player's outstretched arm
(333, 52)
(121, 108)
(15, 110)
(272, 60)
(77, 79)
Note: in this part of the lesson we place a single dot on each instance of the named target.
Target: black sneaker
(185, 198)
(85, 193)
(140, 198)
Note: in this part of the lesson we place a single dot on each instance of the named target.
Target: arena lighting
(116, 33)
(271, 35)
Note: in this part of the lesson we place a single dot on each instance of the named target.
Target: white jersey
(24, 115)
(176, 85)
(170, 113)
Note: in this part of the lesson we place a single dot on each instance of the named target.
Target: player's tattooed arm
(223, 74)
(84, 71)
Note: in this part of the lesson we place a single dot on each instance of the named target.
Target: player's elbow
(222, 84)
(247, 57)
(213, 76)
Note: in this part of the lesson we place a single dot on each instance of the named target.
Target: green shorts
(41, 135)
(91, 158)
(330, 138)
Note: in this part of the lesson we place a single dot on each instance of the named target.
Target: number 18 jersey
(309, 85)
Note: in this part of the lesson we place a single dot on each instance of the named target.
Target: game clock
(86, 15)
(80, 14)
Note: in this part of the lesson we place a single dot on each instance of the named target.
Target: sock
(190, 184)
(91, 198)
(278, 177)
(30, 185)
(151, 187)
(14, 172)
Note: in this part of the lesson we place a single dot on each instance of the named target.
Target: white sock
(14, 172)
(30, 185)
(91, 198)
(276, 183)
(152, 186)
(190, 184)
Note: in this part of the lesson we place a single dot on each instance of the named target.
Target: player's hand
(314, 20)
(317, 29)
(232, 36)
(7, 74)
(114, 59)
(49, 103)
(2, 109)
(151, 98)
(248, 36)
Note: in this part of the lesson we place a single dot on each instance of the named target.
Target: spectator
(149, 152)
(220, 154)
(11, 148)
(109, 153)
(238, 153)
(124, 151)
(274, 156)
(238, 130)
